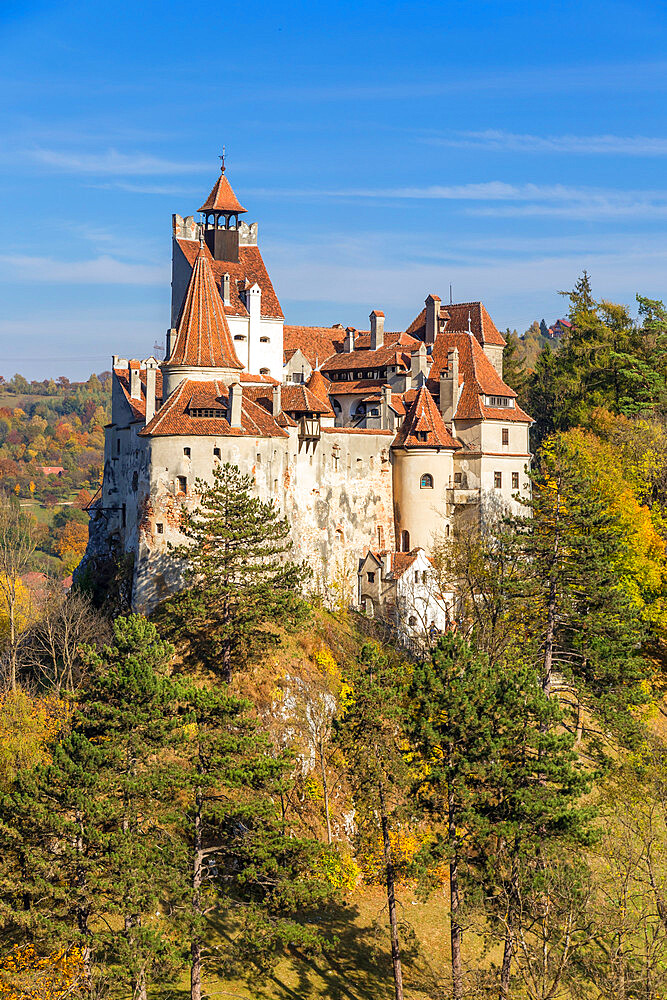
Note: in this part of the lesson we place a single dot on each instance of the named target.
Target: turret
(220, 220)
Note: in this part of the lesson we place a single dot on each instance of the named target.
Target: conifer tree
(580, 617)
(239, 578)
(452, 700)
(82, 839)
(531, 800)
(370, 733)
(236, 857)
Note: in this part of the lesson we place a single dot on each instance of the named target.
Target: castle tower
(220, 213)
(201, 348)
(422, 470)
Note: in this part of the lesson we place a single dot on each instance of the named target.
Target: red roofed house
(367, 441)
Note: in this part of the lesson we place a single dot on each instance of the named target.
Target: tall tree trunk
(195, 947)
(325, 791)
(455, 905)
(391, 897)
(12, 641)
(552, 606)
(505, 969)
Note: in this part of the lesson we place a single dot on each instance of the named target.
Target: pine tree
(240, 580)
(514, 370)
(370, 733)
(237, 859)
(82, 838)
(532, 800)
(579, 615)
(452, 699)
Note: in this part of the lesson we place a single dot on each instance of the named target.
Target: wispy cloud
(498, 198)
(114, 163)
(516, 142)
(103, 270)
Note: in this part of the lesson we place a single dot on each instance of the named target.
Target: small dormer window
(239, 336)
(264, 340)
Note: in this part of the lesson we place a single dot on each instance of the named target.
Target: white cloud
(112, 162)
(103, 270)
(608, 145)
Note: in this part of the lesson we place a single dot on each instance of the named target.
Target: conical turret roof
(222, 197)
(203, 338)
(423, 426)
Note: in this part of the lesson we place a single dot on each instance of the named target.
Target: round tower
(422, 471)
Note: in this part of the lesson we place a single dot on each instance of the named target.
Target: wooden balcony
(309, 428)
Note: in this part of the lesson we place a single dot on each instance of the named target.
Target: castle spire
(203, 338)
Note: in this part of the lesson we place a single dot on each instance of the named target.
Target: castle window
(216, 453)
(181, 484)
(207, 411)
(421, 435)
(405, 541)
(458, 478)
(159, 527)
(426, 482)
(515, 480)
(264, 340)
(239, 336)
(135, 482)
(447, 531)
(264, 371)
(424, 577)
(187, 452)
(506, 435)
(118, 446)
(498, 480)
(371, 577)
(123, 515)
(258, 458)
(416, 576)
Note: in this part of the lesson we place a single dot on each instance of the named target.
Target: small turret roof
(423, 426)
(222, 197)
(203, 339)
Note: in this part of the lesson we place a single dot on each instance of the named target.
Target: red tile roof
(222, 198)
(293, 399)
(319, 385)
(174, 417)
(422, 418)
(138, 406)
(249, 270)
(363, 385)
(317, 343)
(455, 319)
(203, 338)
(478, 378)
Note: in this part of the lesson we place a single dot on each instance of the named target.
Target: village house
(371, 443)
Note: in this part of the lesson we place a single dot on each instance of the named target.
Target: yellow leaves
(404, 846)
(24, 609)
(324, 659)
(24, 973)
(27, 726)
(340, 870)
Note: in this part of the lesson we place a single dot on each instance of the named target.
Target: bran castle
(372, 444)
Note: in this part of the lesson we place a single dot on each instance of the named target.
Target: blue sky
(386, 150)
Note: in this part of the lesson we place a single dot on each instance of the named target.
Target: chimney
(170, 343)
(418, 365)
(234, 405)
(135, 382)
(151, 373)
(348, 346)
(432, 318)
(386, 408)
(386, 565)
(377, 329)
(449, 387)
(277, 396)
(225, 290)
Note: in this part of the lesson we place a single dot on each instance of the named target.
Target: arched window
(405, 541)
(264, 340)
(426, 481)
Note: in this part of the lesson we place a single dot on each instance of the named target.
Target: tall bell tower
(220, 219)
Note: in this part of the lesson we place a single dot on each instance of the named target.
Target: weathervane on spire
(221, 157)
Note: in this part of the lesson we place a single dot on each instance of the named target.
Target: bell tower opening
(220, 219)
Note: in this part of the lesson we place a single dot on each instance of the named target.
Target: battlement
(189, 229)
